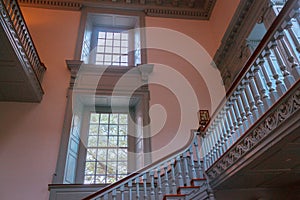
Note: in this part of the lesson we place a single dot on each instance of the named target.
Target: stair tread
(179, 190)
(173, 195)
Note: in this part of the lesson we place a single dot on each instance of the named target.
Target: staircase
(262, 98)
(178, 177)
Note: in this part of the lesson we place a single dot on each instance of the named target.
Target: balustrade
(160, 179)
(15, 22)
(270, 72)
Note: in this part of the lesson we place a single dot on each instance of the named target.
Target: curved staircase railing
(269, 74)
(173, 176)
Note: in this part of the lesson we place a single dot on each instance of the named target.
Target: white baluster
(191, 152)
(130, 190)
(174, 188)
(180, 180)
(167, 188)
(255, 93)
(137, 182)
(186, 167)
(145, 186)
(159, 181)
(114, 194)
(280, 87)
(295, 46)
(289, 79)
(267, 76)
(261, 84)
(122, 192)
(152, 190)
(198, 155)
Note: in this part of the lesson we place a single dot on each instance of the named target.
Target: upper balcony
(21, 70)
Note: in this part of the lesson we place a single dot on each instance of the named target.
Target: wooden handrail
(267, 37)
(255, 124)
(147, 168)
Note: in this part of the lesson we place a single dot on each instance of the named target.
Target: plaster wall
(30, 132)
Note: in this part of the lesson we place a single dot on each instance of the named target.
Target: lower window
(107, 148)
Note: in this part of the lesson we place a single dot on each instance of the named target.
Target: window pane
(113, 130)
(100, 179)
(100, 49)
(108, 50)
(102, 142)
(123, 155)
(102, 153)
(123, 119)
(112, 154)
(124, 36)
(124, 58)
(111, 167)
(107, 58)
(117, 50)
(123, 141)
(90, 168)
(94, 118)
(117, 36)
(91, 154)
(117, 43)
(122, 168)
(104, 119)
(122, 129)
(89, 179)
(116, 58)
(113, 141)
(93, 130)
(100, 57)
(101, 34)
(103, 130)
(109, 43)
(111, 178)
(109, 35)
(114, 118)
(92, 141)
(124, 44)
(101, 168)
(101, 42)
(124, 50)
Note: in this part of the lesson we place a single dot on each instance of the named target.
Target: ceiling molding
(187, 9)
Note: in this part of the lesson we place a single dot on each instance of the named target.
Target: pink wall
(184, 47)
(221, 17)
(30, 133)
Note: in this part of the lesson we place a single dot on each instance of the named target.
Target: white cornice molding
(182, 9)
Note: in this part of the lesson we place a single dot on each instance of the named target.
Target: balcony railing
(15, 27)
(270, 77)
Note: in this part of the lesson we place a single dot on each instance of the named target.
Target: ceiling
(191, 9)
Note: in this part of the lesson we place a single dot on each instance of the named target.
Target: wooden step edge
(173, 195)
(197, 179)
(192, 187)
